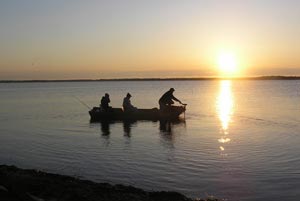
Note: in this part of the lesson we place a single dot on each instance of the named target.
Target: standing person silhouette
(167, 99)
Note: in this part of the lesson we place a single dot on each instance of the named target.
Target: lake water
(239, 141)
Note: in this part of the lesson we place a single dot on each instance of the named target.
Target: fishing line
(83, 103)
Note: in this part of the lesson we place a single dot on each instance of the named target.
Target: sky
(81, 39)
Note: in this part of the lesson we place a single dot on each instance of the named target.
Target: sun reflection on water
(224, 105)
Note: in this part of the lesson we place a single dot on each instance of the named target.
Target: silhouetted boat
(173, 112)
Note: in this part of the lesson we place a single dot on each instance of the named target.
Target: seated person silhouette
(127, 106)
(105, 102)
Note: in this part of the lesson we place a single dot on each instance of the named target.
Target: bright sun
(227, 63)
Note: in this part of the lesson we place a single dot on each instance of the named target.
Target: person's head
(106, 95)
(128, 95)
(172, 89)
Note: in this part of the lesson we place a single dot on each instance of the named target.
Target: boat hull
(154, 114)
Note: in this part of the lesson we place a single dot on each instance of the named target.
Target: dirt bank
(31, 185)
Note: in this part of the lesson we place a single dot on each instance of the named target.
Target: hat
(172, 89)
(128, 95)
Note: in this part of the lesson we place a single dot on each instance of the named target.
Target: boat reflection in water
(127, 125)
(225, 106)
(105, 128)
(165, 126)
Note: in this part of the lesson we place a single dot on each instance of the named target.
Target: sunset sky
(71, 39)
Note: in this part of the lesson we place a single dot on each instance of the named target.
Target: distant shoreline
(159, 79)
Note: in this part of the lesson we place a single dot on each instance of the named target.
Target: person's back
(126, 103)
(166, 97)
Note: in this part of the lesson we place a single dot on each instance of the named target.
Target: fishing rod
(83, 103)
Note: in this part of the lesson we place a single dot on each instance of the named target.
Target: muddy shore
(32, 185)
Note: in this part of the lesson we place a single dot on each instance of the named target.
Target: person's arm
(174, 98)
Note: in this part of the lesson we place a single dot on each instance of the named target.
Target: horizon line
(272, 77)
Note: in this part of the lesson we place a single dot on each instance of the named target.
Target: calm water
(239, 141)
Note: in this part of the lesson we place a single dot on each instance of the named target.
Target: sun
(227, 63)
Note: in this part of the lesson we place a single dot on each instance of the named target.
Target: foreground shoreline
(159, 79)
(33, 185)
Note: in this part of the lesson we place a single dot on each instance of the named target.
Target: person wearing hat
(127, 106)
(167, 99)
(104, 102)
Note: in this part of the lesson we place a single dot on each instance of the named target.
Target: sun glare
(227, 63)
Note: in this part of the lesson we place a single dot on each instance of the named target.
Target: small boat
(170, 113)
